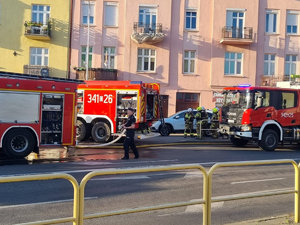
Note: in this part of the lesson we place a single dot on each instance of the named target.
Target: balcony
(36, 70)
(272, 80)
(96, 74)
(37, 31)
(237, 36)
(147, 33)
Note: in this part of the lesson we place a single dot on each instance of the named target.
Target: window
(109, 57)
(189, 61)
(110, 14)
(233, 63)
(292, 22)
(146, 60)
(39, 56)
(88, 9)
(190, 20)
(290, 64)
(147, 18)
(83, 56)
(269, 64)
(261, 99)
(40, 13)
(271, 21)
(289, 100)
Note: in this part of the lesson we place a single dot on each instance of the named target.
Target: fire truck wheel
(80, 130)
(269, 140)
(18, 143)
(238, 142)
(101, 132)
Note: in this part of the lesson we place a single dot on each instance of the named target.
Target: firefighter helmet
(199, 108)
(190, 109)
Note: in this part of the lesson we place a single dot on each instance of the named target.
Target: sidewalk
(279, 220)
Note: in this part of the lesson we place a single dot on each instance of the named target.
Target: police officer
(189, 120)
(215, 122)
(129, 140)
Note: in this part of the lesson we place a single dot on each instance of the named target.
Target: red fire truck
(102, 107)
(263, 114)
(36, 111)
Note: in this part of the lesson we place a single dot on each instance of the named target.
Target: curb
(155, 145)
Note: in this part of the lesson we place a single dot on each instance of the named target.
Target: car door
(178, 121)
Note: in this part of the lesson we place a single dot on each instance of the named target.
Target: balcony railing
(96, 74)
(234, 35)
(37, 31)
(36, 70)
(272, 80)
(147, 33)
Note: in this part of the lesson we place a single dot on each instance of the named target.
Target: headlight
(245, 128)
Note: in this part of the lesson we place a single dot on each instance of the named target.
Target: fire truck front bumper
(231, 131)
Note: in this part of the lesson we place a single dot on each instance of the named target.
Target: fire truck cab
(102, 107)
(36, 111)
(265, 115)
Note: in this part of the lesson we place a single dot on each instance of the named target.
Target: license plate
(230, 121)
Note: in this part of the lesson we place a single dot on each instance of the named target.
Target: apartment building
(193, 48)
(35, 36)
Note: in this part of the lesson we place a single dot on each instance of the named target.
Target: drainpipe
(87, 44)
(70, 39)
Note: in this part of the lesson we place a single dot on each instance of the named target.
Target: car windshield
(237, 98)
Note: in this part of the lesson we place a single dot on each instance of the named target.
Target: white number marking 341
(96, 98)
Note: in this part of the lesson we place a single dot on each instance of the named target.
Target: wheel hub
(19, 143)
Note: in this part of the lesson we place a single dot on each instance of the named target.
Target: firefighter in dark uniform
(215, 122)
(198, 118)
(189, 120)
(129, 140)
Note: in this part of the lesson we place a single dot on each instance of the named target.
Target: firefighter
(198, 121)
(201, 118)
(129, 140)
(189, 120)
(215, 122)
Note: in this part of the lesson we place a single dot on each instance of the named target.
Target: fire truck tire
(101, 132)
(18, 143)
(80, 130)
(269, 140)
(238, 142)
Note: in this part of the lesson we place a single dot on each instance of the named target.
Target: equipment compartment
(52, 119)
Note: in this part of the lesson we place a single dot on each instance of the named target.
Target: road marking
(198, 208)
(123, 178)
(255, 181)
(193, 174)
(43, 203)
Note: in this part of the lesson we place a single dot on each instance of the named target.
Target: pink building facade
(193, 48)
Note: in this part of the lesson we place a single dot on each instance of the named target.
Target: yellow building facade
(35, 37)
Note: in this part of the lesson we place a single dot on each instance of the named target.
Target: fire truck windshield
(237, 98)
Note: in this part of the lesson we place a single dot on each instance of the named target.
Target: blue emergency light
(244, 85)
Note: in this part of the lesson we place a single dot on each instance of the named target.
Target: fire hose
(105, 144)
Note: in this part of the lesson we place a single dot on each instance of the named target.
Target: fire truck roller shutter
(19, 142)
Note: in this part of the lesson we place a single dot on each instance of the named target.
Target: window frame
(272, 12)
(45, 13)
(290, 62)
(109, 55)
(189, 59)
(84, 53)
(43, 55)
(297, 13)
(269, 61)
(91, 4)
(235, 60)
(143, 56)
(191, 17)
(114, 4)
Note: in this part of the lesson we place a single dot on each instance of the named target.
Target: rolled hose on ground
(105, 144)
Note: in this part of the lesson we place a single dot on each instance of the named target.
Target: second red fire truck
(263, 114)
(36, 111)
(102, 107)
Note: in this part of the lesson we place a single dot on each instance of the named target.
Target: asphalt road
(31, 201)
